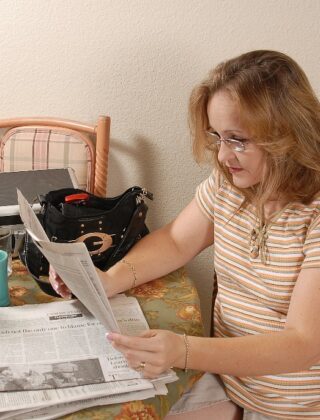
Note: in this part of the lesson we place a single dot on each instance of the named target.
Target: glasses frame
(233, 144)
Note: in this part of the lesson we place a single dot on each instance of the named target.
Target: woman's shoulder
(313, 206)
(307, 213)
(217, 192)
(224, 190)
(314, 209)
(217, 182)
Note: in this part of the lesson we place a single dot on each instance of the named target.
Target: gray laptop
(31, 184)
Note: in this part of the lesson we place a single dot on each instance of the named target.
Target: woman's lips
(234, 170)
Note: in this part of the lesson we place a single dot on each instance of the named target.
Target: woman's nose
(225, 153)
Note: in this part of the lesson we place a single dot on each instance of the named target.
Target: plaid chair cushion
(28, 148)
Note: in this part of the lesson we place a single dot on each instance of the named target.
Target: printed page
(64, 332)
(30, 219)
(34, 337)
(74, 265)
(33, 399)
(58, 410)
(49, 353)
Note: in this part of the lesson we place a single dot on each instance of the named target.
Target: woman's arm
(155, 255)
(295, 348)
(162, 251)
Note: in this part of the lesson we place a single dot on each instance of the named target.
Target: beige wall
(137, 61)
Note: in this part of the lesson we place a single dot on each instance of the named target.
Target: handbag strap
(44, 286)
(135, 231)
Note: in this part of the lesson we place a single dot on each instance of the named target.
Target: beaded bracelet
(187, 346)
(133, 270)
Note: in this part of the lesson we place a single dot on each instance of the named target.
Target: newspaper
(54, 358)
(58, 410)
(73, 264)
(57, 352)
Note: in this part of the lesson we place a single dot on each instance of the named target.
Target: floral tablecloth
(171, 303)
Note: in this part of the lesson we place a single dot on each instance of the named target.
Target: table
(170, 302)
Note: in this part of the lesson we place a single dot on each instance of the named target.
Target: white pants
(208, 391)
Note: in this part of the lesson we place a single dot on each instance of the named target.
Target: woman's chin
(243, 183)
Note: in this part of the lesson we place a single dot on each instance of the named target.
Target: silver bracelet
(133, 270)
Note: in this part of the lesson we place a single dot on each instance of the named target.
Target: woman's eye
(241, 139)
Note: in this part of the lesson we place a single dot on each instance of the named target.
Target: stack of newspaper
(54, 357)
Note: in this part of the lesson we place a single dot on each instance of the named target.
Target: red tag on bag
(76, 197)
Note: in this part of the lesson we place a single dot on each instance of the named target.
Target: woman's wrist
(106, 282)
(110, 283)
(120, 277)
(187, 352)
(133, 272)
(183, 352)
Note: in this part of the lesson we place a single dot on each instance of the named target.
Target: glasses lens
(214, 138)
(235, 145)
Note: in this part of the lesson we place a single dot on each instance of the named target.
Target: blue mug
(4, 290)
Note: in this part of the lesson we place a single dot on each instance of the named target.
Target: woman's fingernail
(109, 336)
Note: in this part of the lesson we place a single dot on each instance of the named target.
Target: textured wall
(137, 61)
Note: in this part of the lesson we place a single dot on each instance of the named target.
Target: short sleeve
(205, 196)
(311, 248)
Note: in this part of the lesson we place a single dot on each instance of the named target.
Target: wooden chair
(50, 143)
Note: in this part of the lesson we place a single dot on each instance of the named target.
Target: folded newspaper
(54, 357)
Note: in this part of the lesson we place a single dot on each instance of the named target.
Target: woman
(258, 119)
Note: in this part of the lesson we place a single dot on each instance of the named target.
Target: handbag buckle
(144, 193)
(104, 241)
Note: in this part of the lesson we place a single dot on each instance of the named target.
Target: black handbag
(108, 227)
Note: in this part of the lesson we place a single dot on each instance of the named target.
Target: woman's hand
(58, 285)
(62, 289)
(153, 351)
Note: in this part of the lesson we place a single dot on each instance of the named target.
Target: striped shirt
(253, 297)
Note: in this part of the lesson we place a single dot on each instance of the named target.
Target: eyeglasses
(236, 145)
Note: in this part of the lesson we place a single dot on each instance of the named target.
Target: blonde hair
(282, 114)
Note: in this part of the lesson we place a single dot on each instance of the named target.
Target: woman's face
(246, 167)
